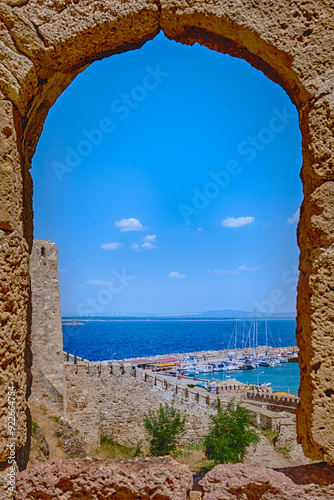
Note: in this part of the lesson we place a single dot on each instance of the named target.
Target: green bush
(230, 434)
(165, 427)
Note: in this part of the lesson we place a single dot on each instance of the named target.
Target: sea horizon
(106, 339)
(101, 339)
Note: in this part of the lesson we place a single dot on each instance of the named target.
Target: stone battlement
(112, 398)
(259, 394)
(274, 399)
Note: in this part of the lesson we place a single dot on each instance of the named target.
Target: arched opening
(58, 50)
(183, 180)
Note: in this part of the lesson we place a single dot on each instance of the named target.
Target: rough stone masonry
(47, 336)
(44, 46)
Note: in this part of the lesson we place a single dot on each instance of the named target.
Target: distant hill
(231, 313)
(220, 314)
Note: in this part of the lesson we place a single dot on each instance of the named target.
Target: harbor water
(283, 378)
(102, 339)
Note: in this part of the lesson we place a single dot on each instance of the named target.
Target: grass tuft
(285, 452)
(271, 434)
(111, 449)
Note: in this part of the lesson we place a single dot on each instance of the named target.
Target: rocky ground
(163, 478)
(60, 468)
(267, 455)
(54, 438)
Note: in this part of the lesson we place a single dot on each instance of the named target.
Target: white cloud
(151, 238)
(224, 272)
(63, 270)
(177, 275)
(148, 246)
(237, 221)
(136, 247)
(98, 282)
(80, 286)
(245, 268)
(111, 246)
(294, 218)
(199, 229)
(131, 224)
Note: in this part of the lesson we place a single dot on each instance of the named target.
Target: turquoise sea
(102, 339)
(284, 377)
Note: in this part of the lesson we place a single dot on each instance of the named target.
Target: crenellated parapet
(113, 397)
(275, 402)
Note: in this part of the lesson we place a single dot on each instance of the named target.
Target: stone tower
(46, 332)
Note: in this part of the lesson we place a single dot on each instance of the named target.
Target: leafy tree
(165, 427)
(230, 434)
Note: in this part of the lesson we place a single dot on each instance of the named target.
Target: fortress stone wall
(112, 400)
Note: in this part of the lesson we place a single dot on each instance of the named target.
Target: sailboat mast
(266, 338)
(254, 327)
(279, 339)
(293, 337)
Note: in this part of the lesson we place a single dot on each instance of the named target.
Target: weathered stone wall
(15, 357)
(287, 436)
(274, 402)
(113, 400)
(46, 327)
(45, 45)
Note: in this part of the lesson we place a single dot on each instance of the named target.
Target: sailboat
(294, 357)
(265, 360)
(249, 363)
(281, 356)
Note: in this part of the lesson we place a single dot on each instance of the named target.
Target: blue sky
(169, 179)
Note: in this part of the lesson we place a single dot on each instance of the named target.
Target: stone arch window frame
(45, 48)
